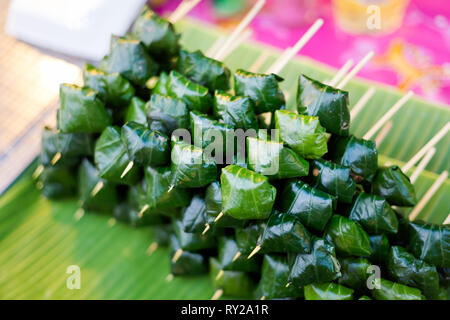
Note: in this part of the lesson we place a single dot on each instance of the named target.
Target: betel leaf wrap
(236, 284)
(284, 233)
(129, 58)
(354, 272)
(430, 242)
(358, 154)
(145, 147)
(262, 89)
(303, 134)
(206, 71)
(392, 184)
(189, 263)
(113, 89)
(166, 114)
(58, 182)
(236, 111)
(206, 130)
(274, 276)
(81, 110)
(195, 96)
(311, 206)
(329, 104)
(348, 236)
(246, 194)
(404, 268)
(247, 238)
(194, 215)
(161, 85)
(327, 291)
(319, 266)
(395, 291)
(111, 157)
(136, 111)
(213, 200)
(272, 159)
(379, 248)
(333, 179)
(374, 214)
(227, 249)
(192, 241)
(191, 168)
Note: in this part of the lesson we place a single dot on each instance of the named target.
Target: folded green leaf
(189, 263)
(246, 194)
(194, 215)
(206, 130)
(329, 104)
(192, 241)
(58, 182)
(136, 111)
(327, 291)
(213, 200)
(81, 110)
(227, 249)
(396, 291)
(392, 184)
(379, 248)
(354, 272)
(311, 206)
(262, 89)
(247, 238)
(303, 134)
(348, 236)
(161, 85)
(364, 298)
(236, 111)
(165, 114)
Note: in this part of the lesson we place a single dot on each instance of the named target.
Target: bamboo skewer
(259, 62)
(280, 58)
(38, 171)
(236, 256)
(341, 73)
(220, 274)
(362, 102)
(56, 158)
(177, 255)
(217, 294)
(182, 10)
(241, 39)
(355, 69)
(383, 133)
(428, 195)
(447, 220)
(143, 209)
(152, 248)
(207, 227)
(241, 26)
(213, 49)
(422, 165)
(255, 251)
(97, 188)
(127, 169)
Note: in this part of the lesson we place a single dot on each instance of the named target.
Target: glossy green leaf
(213, 200)
(272, 159)
(311, 206)
(236, 284)
(404, 268)
(166, 114)
(327, 291)
(334, 179)
(203, 70)
(247, 238)
(347, 236)
(246, 194)
(303, 134)
(392, 184)
(192, 241)
(379, 248)
(57, 182)
(396, 291)
(358, 154)
(321, 265)
(194, 215)
(111, 157)
(374, 214)
(236, 111)
(354, 272)
(329, 104)
(227, 249)
(189, 263)
(81, 110)
(364, 298)
(136, 111)
(206, 130)
(161, 85)
(262, 89)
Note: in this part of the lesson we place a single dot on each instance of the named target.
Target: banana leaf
(81, 111)
(236, 284)
(374, 214)
(71, 147)
(392, 184)
(236, 111)
(203, 70)
(194, 215)
(213, 200)
(262, 89)
(303, 134)
(246, 194)
(227, 249)
(333, 179)
(354, 272)
(145, 147)
(348, 236)
(284, 233)
(191, 168)
(166, 114)
(358, 154)
(129, 58)
(274, 277)
(111, 157)
(192, 241)
(114, 90)
(189, 263)
(311, 206)
(327, 291)
(247, 238)
(404, 268)
(329, 104)
(136, 111)
(272, 159)
(57, 182)
(193, 94)
(319, 266)
(396, 291)
(379, 248)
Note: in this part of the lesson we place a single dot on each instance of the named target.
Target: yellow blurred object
(369, 16)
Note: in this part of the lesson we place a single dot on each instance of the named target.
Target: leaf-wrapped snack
(246, 194)
(227, 249)
(213, 200)
(189, 263)
(194, 215)
(235, 110)
(396, 291)
(166, 114)
(192, 241)
(379, 248)
(354, 272)
(58, 182)
(136, 111)
(206, 130)
(236, 284)
(247, 238)
(327, 291)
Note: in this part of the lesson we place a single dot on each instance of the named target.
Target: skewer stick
(97, 188)
(144, 208)
(79, 214)
(236, 256)
(287, 284)
(217, 294)
(38, 171)
(220, 274)
(388, 115)
(207, 227)
(280, 58)
(169, 277)
(152, 248)
(447, 220)
(56, 158)
(240, 40)
(219, 216)
(259, 62)
(362, 102)
(213, 49)
(297, 47)
(241, 26)
(383, 133)
(127, 169)
(255, 251)
(341, 73)
(433, 141)
(263, 298)
(428, 195)
(355, 69)
(182, 10)
(177, 255)
(422, 165)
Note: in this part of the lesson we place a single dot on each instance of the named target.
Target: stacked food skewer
(305, 214)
